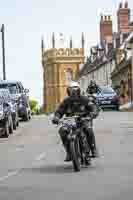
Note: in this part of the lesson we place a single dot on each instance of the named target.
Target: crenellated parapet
(56, 55)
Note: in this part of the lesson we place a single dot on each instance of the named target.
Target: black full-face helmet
(92, 83)
(73, 89)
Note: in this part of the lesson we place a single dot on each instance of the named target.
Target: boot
(92, 143)
(68, 155)
(94, 152)
(87, 159)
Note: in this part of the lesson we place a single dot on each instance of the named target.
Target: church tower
(60, 66)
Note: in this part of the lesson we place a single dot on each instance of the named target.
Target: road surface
(32, 167)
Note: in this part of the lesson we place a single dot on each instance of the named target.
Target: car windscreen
(107, 91)
(12, 87)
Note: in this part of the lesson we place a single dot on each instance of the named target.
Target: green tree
(34, 106)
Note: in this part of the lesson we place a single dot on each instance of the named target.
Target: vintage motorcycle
(77, 141)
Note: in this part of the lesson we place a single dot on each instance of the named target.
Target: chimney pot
(120, 6)
(105, 18)
(102, 18)
(126, 4)
(109, 17)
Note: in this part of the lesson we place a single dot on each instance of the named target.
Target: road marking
(41, 157)
(10, 174)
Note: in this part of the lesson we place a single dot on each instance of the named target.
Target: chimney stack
(106, 32)
(123, 18)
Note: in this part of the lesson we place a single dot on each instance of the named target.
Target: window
(11, 86)
(69, 75)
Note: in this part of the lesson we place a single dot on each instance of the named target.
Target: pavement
(32, 167)
(127, 107)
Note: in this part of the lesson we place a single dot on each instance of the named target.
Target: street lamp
(3, 51)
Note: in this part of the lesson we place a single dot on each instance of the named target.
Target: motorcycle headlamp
(91, 98)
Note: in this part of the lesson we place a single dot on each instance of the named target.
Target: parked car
(24, 110)
(108, 98)
(6, 122)
(21, 96)
(14, 107)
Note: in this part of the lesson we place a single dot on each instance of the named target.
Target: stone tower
(60, 66)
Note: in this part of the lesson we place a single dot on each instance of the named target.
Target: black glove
(55, 120)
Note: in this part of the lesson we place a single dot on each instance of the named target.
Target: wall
(101, 75)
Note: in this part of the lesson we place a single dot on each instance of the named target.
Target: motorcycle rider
(92, 88)
(91, 91)
(76, 103)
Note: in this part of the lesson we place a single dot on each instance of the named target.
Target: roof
(120, 67)
(128, 39)
(9, 82)
(131, 23)
(99, 62)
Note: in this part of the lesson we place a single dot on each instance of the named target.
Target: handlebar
(75, 117)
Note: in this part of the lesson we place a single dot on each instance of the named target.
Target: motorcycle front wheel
(74, 155)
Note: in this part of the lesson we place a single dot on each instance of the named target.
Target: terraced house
(102, 62)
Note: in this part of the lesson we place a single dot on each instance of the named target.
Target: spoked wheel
(84, 151)
(75, 156)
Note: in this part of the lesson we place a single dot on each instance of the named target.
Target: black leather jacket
(72, 106)
(92, 89)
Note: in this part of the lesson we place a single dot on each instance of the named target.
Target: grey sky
(26, 21)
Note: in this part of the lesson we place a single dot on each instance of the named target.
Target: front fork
(82, 146)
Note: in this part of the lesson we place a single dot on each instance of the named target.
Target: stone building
(60, 66)
(102, 60)
(122, 74)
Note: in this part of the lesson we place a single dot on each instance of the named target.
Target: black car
(20, 95)
(6, 122)
(107, 98)
(24, 108)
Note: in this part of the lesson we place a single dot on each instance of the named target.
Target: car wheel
(117, 108)
(15, 125)
(26, 118)
(6, 130)
(29, 116)
(18, 123)
(11, 127)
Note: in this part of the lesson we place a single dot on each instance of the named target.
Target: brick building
(102, 60)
